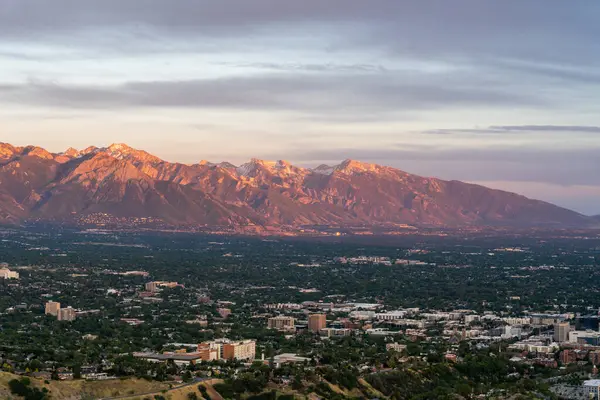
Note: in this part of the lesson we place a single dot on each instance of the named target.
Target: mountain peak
(125, 152)
(349, 166)
(120, 147)
(71, 152)
(7, 150)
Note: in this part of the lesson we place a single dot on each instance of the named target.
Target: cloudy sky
(504, 93)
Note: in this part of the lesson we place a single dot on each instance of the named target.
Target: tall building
(316, 322)
(52, 308)
(66, 314)
(282, 323)
(561, 332)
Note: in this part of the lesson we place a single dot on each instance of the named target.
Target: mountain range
(123, 182)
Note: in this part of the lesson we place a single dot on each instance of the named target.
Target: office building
(66, 314)
(282, 323)
(316, 322)
(585, 337)
(52, 308)
(561, 332)
(587, 322)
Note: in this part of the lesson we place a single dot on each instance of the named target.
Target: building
(6, 273)
(224, 312)
(154, 286)
(510, 331)
(181, 359)
(398, 348)
(587, 322)
(209, 351)
(594, 357)
(242, 350)
(391, 316)
(561, 332)
(568, 357)
(592, 389)
(334, 332)
(66, 314)
(585, 337)
(282, 323)
(288, 358)
(52, 308)
(316, 322)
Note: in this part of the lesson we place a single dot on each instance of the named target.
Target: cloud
(516, 129)
(304, 93)
(430, 28)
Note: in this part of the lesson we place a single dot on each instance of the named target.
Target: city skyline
(497, 94)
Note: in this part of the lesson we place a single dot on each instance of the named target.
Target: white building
(579, 336)
(517, 321)
(288, 358)
(391, 316)
(395, 347)
(592, 389)
(362, 315)
(511, 331)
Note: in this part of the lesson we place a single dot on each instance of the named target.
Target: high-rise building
(282, 323)
(316, 322)
(66, 314)
(52, 308)
(561, 332)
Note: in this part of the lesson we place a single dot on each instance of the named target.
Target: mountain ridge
(124, 182)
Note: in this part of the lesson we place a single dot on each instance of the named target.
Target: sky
(502, 93)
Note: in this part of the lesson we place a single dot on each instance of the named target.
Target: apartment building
(282, 323)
